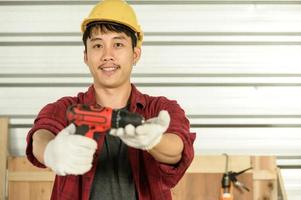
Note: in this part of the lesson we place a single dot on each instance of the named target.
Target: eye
(118, 45)
(97, 46)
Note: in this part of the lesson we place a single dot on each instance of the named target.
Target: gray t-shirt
(113, 177)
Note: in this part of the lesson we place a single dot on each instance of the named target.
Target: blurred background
(233, 65)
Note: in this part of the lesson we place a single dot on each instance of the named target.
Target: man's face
(110, 58)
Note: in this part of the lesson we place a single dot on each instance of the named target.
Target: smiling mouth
(109, 68)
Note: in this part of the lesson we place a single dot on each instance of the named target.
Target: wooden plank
(264, 162)
(30, 190)
(216, 164)
(264, 175)
(16, 163)
(31, 176)
(28, 182)
(20, 169)
(3, 155)
(40, 190)
(20, 190)
(265, 189)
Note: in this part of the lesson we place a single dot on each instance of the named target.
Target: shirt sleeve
(51, 118)
(180, 126)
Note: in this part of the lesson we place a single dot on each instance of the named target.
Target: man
(142, 162)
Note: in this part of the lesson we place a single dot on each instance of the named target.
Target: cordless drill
(94, 120)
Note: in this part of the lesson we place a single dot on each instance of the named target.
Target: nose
(108, 54)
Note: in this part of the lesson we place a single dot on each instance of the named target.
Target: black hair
(109, 26)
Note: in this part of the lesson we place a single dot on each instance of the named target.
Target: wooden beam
(265, 178)
(3, 155)
(264, 175)
(31, 176)
(217, 164)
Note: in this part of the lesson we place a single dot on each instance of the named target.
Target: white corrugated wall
(234, 66)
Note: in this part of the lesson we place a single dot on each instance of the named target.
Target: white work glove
(145, 136)
(68, 153)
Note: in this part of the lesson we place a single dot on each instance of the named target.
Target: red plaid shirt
(153, 180)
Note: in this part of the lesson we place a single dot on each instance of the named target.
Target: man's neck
(113, 97)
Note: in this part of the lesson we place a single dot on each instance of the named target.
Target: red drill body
(90, 120)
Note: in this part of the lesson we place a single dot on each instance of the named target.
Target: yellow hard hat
(115, 11)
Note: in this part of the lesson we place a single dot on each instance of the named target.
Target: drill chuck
(121, 118)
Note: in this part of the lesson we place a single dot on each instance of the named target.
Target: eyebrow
(95, 39)
(120, 38)
(115, 38)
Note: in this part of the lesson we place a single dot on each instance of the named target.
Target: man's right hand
(70, 154)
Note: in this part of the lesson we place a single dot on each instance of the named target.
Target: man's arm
(169, 149)
(40, 139)
(164, 147)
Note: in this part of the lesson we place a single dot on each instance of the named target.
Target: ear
(85, 57)
(137, 54)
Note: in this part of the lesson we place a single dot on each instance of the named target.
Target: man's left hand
(145, 136)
